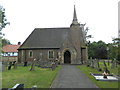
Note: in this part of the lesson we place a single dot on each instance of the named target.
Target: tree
(3, 20)
(116, 48)
(3, 23)
(97, 50)
(5, 42)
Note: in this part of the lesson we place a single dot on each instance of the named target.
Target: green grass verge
(101, 84)
(40, 77)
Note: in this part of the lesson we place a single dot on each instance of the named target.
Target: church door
(67, 57)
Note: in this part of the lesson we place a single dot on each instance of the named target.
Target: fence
(9, 58)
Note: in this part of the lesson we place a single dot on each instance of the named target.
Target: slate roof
(10, 48)
(45, 38)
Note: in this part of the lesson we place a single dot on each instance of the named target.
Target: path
(71, 77)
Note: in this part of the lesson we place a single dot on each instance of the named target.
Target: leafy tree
(3, 23)
(116, 48)
(97, 50)
(3, 20)
(5, 42)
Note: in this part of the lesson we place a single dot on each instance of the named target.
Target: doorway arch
(67, 57)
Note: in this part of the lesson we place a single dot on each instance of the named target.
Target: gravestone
(53, 66)
(33, 65)
(88, 62)
(104, 63)
(91, 62)
(25, 63)
(98, 66)
(113, 63)
(10, 65)
(56, 62)
(105, 68)
(95, 63)
(15, 64)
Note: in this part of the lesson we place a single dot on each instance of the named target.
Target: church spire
(75, 21)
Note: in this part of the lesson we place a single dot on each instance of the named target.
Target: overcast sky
(101, 16)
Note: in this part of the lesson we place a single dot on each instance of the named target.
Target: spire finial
(74, 17)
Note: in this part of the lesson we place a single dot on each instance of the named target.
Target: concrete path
(71, 77)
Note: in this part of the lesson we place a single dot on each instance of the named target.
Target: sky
(101, 16)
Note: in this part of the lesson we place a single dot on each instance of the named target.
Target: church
(66, 44)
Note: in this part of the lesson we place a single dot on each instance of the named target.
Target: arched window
(30, 53)
(50, 54)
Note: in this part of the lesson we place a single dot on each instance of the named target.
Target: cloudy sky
(101, 16)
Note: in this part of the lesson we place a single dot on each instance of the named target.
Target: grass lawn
(42, 77)
(101, 84)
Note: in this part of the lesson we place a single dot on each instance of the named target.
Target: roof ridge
(54, 28)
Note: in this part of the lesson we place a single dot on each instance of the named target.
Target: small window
(57, 55)
(50, 54)
(30, 54)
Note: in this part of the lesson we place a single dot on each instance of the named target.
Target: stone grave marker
(88, 62)
(25, 63)
(98, 65)
(10, 65)
(104, 63)
(33, 65)
(15, 64)
(53, 66)
(113, 63)
(95, 63)
(91, 62)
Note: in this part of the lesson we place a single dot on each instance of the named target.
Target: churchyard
(30, 75)
(97, 67)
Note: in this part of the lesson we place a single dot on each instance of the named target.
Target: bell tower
(76, 35)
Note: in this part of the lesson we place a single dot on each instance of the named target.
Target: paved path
(71, 77)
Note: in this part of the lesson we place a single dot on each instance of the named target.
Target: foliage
(3, 23)
(5, 42)
(114, 49)
(116, 42)
(100, 84)
(3, 20)
(42, 77)
(97, 50)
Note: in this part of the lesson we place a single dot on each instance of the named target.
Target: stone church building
(66, 44)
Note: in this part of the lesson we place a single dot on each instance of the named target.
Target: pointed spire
(74, 15)
(75, 21)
